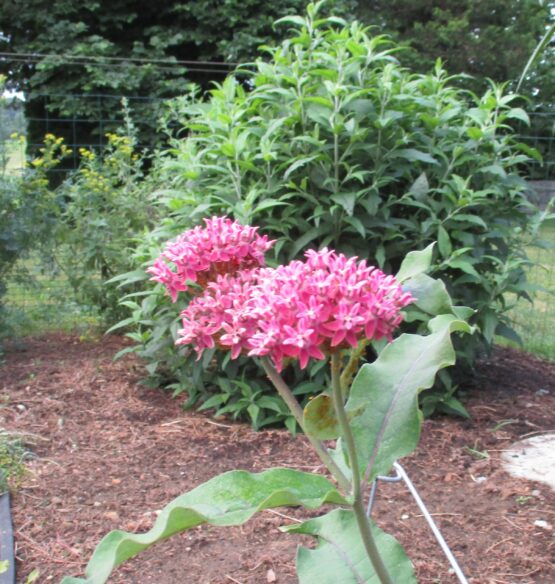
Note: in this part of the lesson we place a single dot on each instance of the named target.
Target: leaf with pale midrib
(340, 557)
(229, 499)
(386, 392)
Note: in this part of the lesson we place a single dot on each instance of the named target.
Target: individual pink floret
(200, 254)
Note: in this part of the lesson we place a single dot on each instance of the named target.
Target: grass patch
(39, 301)
(13, 455)
(535, 323)
(16, 157)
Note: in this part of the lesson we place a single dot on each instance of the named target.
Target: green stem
(297, 411)
(358, 505)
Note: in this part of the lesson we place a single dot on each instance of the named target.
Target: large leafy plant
(104, 207)
(326, 308)
(328, 141)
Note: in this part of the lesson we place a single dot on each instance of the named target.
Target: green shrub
(104, 207)
(85, 227)
(330, 142)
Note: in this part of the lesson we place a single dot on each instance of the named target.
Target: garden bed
(114, 453)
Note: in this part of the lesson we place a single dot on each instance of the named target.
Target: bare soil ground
(113, 453)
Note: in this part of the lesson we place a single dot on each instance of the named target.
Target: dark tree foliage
(483, 38)
(486, 39)
(135, 48)
(125, 47)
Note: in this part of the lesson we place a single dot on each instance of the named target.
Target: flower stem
(358, 505)
(297, 411)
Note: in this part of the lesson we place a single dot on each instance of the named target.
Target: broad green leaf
(450, 321)
(496, 169)
(413, 155)
(268, 204)
(228, 149)
(387, 390)
(503, 330)
(490, 320)
(345, 200)
(323, 101)
(294, 20)
(305, 239)
(129, 277)
(380, 255)
(420, 187)
(532, 152)
(338, 456)
(453, 405)
(431, 295)
(444, 242)
(517, 113)
(340, 557)
(319, 418)
(330, 20)
(388, 118)
(474, 133)
(415, 263)
(463, 312)
(214, 401)
(298, 164)
(464, 266)
(229, 499)
(121, 324)
(357, 225)
(469, 219)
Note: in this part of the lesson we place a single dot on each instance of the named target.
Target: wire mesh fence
(540, 134)
(41, 299)
(535, 322)
(85, 120)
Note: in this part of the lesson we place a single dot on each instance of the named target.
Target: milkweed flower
(303, 310)
(221, 315)
(200, 254)
(308, 309)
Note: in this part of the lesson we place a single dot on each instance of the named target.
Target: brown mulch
(111, 454)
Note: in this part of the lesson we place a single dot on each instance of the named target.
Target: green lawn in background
(535, 323)
(39, 302)
(47, 303)
(16, 156)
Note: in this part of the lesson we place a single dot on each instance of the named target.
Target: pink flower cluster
(301, 310)
(200, 254)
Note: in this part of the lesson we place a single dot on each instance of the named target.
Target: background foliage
(490, 39)
(325, 140)
(337, 144)
(124, 48)
(82, 230)
(104, 206)
(137, 49)
(28, 211)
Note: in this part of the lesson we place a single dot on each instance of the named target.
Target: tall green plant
(325, 308)
(331, 142)
(105, 207)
